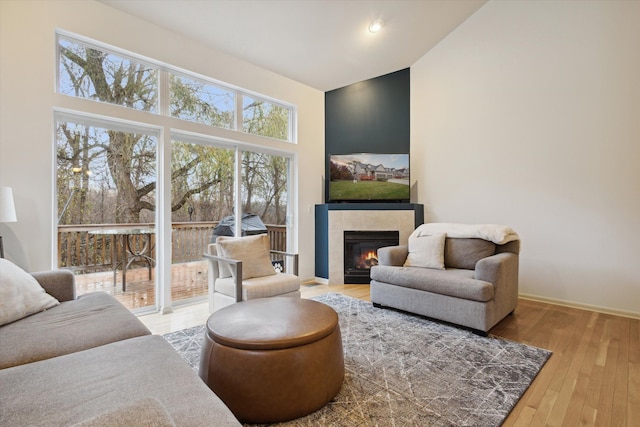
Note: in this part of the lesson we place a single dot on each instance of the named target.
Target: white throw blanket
(498, 234)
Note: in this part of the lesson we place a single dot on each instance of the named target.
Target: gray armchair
(477, 287)
(240, 269)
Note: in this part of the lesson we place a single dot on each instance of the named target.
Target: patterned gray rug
(403, 370)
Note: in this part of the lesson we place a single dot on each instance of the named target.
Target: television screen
(369, 177)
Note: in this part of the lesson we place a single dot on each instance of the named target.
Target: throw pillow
(20, 294)
(426, 251)
(224, 270)
(253, 251)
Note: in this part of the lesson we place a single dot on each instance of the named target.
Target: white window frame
(163, 126)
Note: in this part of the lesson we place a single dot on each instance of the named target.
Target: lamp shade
(7, 207)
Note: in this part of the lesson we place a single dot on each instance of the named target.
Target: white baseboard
(320, 280)
(598, 309)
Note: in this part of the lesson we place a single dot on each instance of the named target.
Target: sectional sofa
(88, 361)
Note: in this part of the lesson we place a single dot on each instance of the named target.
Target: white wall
(27, 83)
(528, 115)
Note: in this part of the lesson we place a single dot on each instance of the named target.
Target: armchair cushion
(426, 251)
(465, 253)
(458, 283)
(253, 251)
(20, 294)
(260, 287)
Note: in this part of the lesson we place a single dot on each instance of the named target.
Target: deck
(188, 280)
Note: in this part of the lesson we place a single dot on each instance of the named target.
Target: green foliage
(265, 119)
(199, 102)
(339, 172)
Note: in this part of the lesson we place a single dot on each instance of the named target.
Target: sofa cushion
(92, 320)
(465, 253)
(75, 387)
(253, 251)
(142, 412)
(426, 251)
(457, 283)
(20, 294)
(260, 287)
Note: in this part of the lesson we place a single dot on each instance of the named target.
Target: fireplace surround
(333, 219)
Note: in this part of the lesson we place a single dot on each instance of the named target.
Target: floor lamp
(7, 210)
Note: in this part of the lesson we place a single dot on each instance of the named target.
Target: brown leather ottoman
(273, 359)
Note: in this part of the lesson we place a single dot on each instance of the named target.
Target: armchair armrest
(60, 284)
(294, 256)
(236, 270)
(393, 255)
(501, 270)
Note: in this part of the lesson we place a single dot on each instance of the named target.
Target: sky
(396, 161)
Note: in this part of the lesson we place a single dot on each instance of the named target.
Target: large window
(101, 74)
(116, 193)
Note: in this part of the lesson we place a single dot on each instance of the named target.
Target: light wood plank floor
(592, 378)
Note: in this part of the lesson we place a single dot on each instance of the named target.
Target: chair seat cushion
(260, 287)
(452, 282)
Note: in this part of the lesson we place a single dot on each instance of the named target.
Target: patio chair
(240, 269)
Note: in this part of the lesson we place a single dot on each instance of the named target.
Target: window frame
(163, 87)
(166, 127)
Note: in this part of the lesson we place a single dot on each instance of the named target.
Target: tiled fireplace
(332, 220)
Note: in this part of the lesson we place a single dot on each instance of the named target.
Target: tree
(122, 164)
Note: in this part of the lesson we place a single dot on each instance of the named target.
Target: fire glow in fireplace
(360, 252)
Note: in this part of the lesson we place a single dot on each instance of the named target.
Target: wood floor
(592, 378)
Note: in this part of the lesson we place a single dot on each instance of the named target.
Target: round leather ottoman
(273, 359)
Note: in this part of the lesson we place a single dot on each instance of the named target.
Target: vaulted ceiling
(324, 44)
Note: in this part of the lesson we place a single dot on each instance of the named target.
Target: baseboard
(571, 304)
(320, 280)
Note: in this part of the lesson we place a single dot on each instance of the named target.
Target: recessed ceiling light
(376, 26)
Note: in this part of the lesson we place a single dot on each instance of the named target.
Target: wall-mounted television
(369, 177)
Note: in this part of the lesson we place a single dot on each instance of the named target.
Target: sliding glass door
(202, 205)
(106, 199)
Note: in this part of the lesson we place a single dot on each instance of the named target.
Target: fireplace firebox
(361, 252)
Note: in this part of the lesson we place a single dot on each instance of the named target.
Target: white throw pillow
(253, 251)
(426, 251)
(20, 294)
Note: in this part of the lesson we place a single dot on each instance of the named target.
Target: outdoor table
(131, 252)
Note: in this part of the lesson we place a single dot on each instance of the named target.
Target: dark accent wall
(368, 117)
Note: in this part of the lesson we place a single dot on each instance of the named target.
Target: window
(200, 102)
(113, 173)
(91, 73)
(106, 194)
(264, 118)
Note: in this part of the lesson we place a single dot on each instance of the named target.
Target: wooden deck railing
(80, 250)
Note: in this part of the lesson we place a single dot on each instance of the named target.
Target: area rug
(403, 370)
